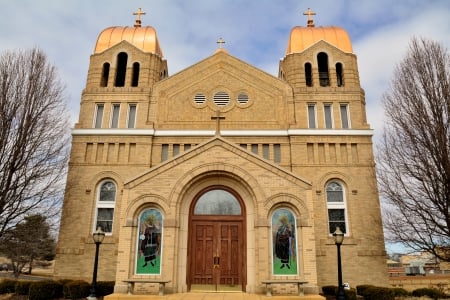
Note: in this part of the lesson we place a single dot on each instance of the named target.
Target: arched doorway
(217, 242)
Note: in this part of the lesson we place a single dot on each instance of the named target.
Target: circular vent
(221, 98)
(242, 98)
(199, 99)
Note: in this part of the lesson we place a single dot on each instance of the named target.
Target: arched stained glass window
(217, 202)
(149, 248)
(284, 243)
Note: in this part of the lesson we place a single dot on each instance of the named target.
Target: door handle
(216, 262)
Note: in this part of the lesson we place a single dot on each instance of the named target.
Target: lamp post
(98, 237)
(338, 236)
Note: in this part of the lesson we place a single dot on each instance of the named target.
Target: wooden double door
(216, 259)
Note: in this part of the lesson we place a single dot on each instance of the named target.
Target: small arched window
(106, 201)
(322, 60)
(336, 207)
(284, 242)
(308, 74)
(121, 69)
(339, 75)
(135, 78)
(105, 75)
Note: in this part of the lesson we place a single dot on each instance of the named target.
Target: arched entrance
(217, 243)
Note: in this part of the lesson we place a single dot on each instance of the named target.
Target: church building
(222, 176)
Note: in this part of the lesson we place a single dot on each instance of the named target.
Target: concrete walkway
(210, 296)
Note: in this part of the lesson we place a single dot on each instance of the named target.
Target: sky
(255, 31)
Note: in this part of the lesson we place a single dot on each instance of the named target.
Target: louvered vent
(199, 98)
(242, 98)
(221, 99)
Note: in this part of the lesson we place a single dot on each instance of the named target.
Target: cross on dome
(310, 13)
(139, 13)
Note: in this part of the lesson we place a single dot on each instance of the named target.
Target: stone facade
(280, 144)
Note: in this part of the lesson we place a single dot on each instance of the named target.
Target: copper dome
(143, 38)
(302, 38)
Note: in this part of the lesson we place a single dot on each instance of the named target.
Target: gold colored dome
(143, 38)
(302, 38)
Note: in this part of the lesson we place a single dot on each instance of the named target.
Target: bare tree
(414, 153)
(34, 137)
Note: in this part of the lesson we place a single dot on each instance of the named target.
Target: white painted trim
(289, 132)
(114, 131)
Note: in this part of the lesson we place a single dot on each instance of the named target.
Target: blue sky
(255, 31)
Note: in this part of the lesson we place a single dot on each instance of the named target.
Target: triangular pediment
(245, 94)
(217, 153)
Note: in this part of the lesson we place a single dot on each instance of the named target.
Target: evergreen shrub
(77, 289)
(45, 290)
(7, 286)
(430, 292)
(22, 287)
(105, 288)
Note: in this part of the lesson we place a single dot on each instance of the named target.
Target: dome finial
(310, 13)
(138, 18)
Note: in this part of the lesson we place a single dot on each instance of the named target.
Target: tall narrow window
(105, 75)
(265, 150)
(99, 108)
(255, 148)
(131, 122)
(339, 75)
(308, 74)
(135, 78)
(328, 111)
(121, 69)
(106, 199)
(149, 245)
(164, 152)
(312, 123)
(284, 243)
(277, 153)
(336, 207)
(322, 60)
(345, 120)
(176, 149)
(115, 110)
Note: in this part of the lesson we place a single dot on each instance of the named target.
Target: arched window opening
(322, 60)
(121, 69)
(149, 242)
(105, 75)
(336, 207)
(217, 202)
(339, 75)
(284, 243)
(308, 74)
(135, 78)
(106, 199)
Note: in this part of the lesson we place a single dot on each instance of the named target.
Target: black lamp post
(98, 237)
(338, 239)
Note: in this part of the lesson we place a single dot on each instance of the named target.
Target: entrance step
(210, 296)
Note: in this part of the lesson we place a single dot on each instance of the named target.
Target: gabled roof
(227, 146)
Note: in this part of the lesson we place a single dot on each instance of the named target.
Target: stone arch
(136, 205)
(189, 185)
